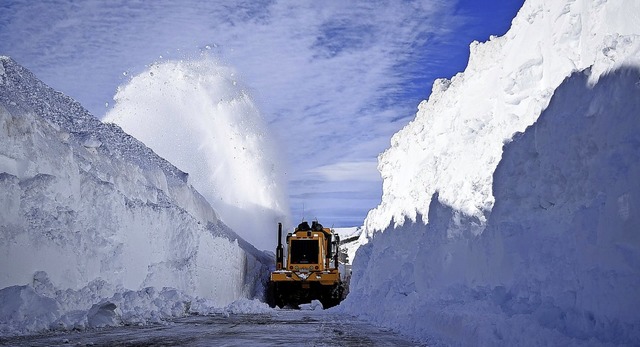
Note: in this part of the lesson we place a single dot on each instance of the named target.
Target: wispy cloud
(329, 77)
(348, 171)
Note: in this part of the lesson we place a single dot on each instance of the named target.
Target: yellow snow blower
(308, 273)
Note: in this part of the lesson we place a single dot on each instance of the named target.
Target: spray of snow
(198, 116)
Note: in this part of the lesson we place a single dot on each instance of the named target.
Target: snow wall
(501, 224)
(90, 209)
(455, 142)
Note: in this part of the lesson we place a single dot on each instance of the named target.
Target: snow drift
(197, 115)
(85, 205)
(533, 242)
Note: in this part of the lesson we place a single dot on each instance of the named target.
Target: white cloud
(349, 171)
(327, 76)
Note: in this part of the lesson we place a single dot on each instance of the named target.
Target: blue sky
(333, 79)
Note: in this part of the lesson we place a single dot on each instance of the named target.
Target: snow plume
(455, 142)
(93, 212)
(197, 115)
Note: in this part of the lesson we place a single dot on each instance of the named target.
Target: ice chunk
(102, 315)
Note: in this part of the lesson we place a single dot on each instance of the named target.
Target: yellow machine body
(311, 270)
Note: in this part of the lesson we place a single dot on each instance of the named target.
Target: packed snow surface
(93, 212)
(511, 202)
(197, 115)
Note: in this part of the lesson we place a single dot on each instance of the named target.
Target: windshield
(304, 251)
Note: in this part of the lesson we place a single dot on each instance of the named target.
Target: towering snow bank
(455, 142)
(84, 202)
(533, 243)
(559, 260)
(199, 117)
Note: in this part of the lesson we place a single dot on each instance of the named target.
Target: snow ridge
(85, 202)
(23, 92)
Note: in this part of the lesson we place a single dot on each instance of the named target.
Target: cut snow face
(197, 115)
(455, 142)
(92, 207)
(554, 259)
(558, 263)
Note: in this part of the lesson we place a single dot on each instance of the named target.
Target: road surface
(280, 328)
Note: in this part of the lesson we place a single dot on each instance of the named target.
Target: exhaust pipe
(279, 249)
(336, 256)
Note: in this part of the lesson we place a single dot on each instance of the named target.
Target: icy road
(280, 328)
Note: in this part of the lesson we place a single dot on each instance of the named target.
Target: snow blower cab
(311, 269)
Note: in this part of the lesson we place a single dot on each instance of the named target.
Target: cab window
(304, 251)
